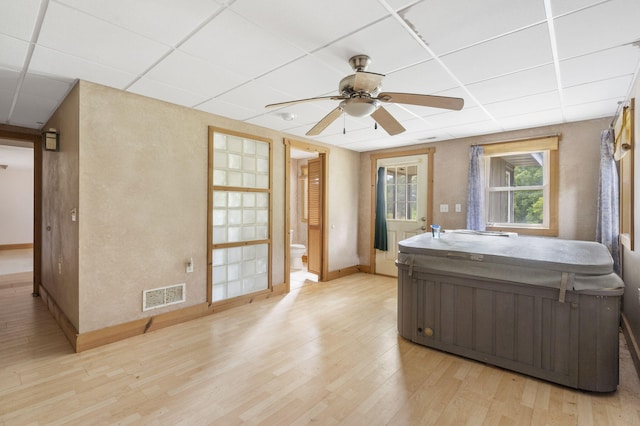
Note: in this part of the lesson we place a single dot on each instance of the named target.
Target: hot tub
(545, 307)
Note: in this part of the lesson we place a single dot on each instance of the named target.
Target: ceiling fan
(360, 96)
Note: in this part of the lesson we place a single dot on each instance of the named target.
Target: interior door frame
(321, 151)
(34, 138)
(430, 152)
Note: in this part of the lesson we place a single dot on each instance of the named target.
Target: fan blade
(324, 123)
(299, 101)
(422, 100)
(386, 120)
(366, 81)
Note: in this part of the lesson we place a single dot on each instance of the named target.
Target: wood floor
(326, 354)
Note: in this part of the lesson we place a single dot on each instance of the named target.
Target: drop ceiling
(516, 63)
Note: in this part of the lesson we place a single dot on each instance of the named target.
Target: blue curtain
(608, 215)
(475, 191)
(380, 237)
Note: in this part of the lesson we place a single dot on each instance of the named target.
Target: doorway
(22, 169)
(305, 204)
(408, 197)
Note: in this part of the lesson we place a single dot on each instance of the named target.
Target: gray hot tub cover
(539, 261)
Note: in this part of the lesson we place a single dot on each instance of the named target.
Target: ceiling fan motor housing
(346, 87)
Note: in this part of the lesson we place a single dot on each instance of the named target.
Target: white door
(406, 205)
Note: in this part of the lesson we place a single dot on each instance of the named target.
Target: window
(239, 236)
(521, 186)
(402, 192)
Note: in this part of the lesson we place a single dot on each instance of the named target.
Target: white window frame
(549, 147)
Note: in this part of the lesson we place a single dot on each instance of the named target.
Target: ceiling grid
(516, 63)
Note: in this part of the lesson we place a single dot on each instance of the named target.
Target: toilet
(296, 253)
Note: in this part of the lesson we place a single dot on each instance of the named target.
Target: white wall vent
(163, 296)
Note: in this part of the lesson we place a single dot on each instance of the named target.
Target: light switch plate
(444, 208)
(458, 208)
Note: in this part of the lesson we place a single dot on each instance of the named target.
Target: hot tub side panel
(520, 327)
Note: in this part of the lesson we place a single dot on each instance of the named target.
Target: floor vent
(163, 296)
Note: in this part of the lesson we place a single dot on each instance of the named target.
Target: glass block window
(240, 216)
(240, 162)
(240, 270)
(240, 237)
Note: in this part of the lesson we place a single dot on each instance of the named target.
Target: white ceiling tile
(525, 105)
(516, 85)
(561, 7)
(455, 118)
(604, 26)
(481, 128)
(387, 43)
(425, 78)
(591, 110)
(167, 21)
(399, 4)
(6, 99)
(541, 118)
(70, 31)
(518, 51)
(165, 92)
(340, 140)
(450, 25)
(254, 96)
(597, 66)
(286, 49)
(46, 87)
(57, 64)
(310, 24)
(307, 114)
(9, 80)
(599, 91)
(14, 52)
(271, 122)
(304, 78)
(18, 18)
(240, 46)
(226, 109)
(194, 74)
(33, 110)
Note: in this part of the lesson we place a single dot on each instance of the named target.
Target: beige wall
(579, 163)
(60, 188)
(138, 175)
(16, 206)
(343, 171)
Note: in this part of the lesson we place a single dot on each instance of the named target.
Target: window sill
(541, 232)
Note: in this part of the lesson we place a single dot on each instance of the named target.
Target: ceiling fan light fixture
(356, 107)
